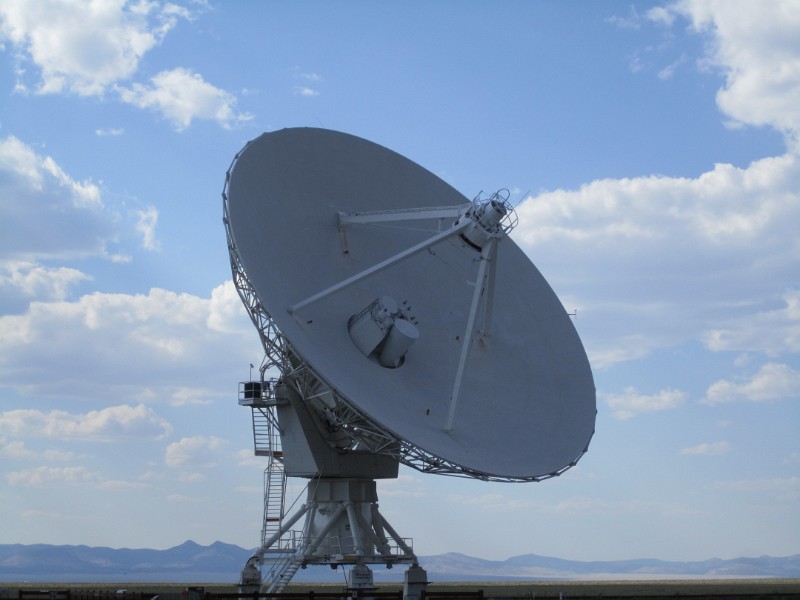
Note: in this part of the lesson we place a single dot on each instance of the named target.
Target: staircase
(284, 567)
(278, 564)
(264, 438)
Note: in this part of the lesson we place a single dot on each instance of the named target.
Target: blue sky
(652, 147)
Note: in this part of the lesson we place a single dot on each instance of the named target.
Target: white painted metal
(484, 266)
(526, 400)
(381, 266)
(409, 214)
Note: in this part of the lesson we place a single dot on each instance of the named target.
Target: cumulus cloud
(666, 260)
(32, 280)
(307, 75)
(185, 396)
(776, 484)
(198, 451)
(146, 226)
(630, 21)
(308, 79)
(631, 403)
(226, 311)
(17, 450)
(726, 211)
(84, 47)
(44, 212)
(113, 131)
(122, 486)
(107, 424)
(143, 345)
(669, 71)
(708, 449)
(591, 505)
(773, 381)
(661, 14)
(19, 159)
(308, 92)
(61, 476)
(96, 48)
(181, 96)
(757, 50)
(46, 215)
(51, 475)
(246, 458)
(770, 331)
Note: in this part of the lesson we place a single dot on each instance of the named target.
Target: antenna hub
(384, 331)
(491, 218)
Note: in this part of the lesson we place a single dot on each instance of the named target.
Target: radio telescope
(400, 324)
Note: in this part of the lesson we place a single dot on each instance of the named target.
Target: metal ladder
(267, 442)
(283, 565)
(274, 499)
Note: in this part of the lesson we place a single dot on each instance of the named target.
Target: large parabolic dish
(525, 393)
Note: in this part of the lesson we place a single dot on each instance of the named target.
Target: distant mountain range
(221, 563)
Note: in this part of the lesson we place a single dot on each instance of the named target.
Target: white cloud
(756, 46)
(776, 484)
(98, 425)
(190, 396)
(772, 382)
(181, 498)
(60, 476)
(93, 48)
(226, 311)
(631, 21)
(307, 75)
(182, 96)
(708, 449)
(669, 71)
(122, 486)
(246, 458)
(54, 517)
(16, 450)
(44, 213)
(771, 331)
(656, 261)
(146, 226)
(724, 207)
(35, 281)
(113, 131)
(592, 505)
(308, 78)
(661, 14)
(631, 403)
(305, 91)
(51, 475)
(621, 349)
(18, 160)
(134, 346)
(487, 501)
(84, 47)
(405, 486)
(198, 451)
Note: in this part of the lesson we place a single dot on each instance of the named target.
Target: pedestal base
(416, 580)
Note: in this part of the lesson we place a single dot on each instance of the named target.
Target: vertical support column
(415, 582)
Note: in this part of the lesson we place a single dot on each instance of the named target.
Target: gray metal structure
(405, 326)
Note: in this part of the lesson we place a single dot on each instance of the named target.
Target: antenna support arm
(392, 260)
